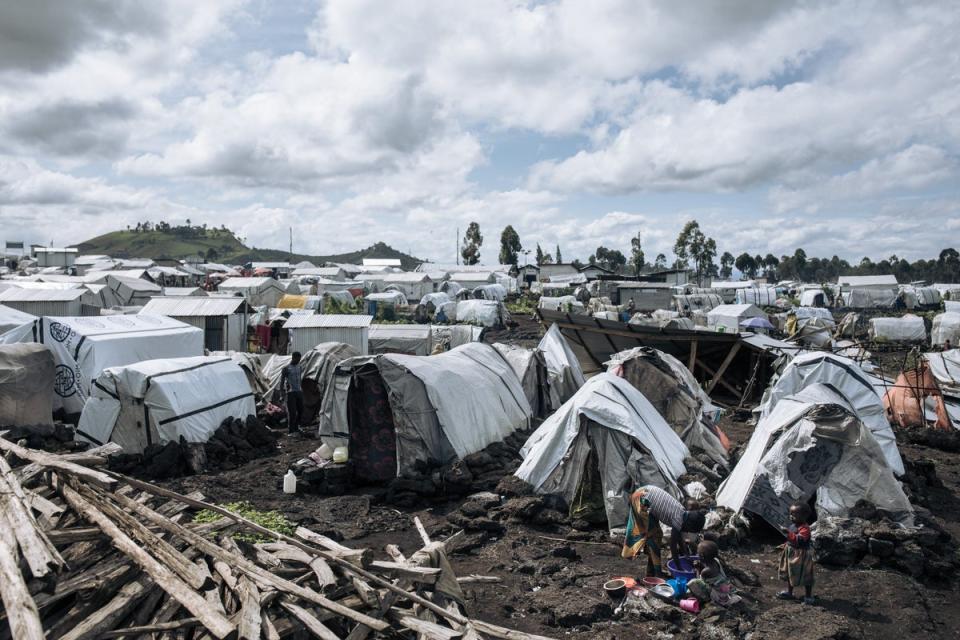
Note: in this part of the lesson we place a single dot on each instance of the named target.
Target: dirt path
(554, 587)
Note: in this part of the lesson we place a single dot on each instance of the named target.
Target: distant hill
(217, 245)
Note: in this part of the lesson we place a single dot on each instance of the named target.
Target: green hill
(217, 245)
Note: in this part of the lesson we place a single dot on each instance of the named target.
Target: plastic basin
(687, 572)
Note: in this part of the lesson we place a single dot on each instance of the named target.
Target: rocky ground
(552, 573)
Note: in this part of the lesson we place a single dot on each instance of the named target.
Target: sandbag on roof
(812, 444)
(609, 424)
(425, 410)
(176, 397)
(850, 381)
(26, 384)
(563, 369)
(675, 393)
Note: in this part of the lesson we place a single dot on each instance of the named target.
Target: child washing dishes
(796, 561)
(711, 583)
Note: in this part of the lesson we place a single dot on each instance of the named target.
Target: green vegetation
(522, 306)
(273, 520)
(163, 242)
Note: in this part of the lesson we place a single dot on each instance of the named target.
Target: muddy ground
(552, 574)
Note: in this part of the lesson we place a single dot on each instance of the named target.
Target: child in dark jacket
(796, 560)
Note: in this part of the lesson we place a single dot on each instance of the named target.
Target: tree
(660, 262)
(693, 245)
(510, 246)
(746, 264)
(771, 262)
(470, 251)
(559, 257)
(637, 258)
(800, 263)
(726, 265)
(547, 258)
(539, 255)
(611, 259)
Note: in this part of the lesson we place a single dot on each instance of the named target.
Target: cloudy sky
(831, 126)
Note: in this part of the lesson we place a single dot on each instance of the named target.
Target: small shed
(410, 339)
(647, 296)
(257, 291)
(729, 316)
(413, 285)
(222, 319)
(51, 302)
(307, 331)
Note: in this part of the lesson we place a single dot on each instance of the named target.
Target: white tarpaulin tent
(850, 381)
(568, 304)
(400, 412)
(16, 325)
(908, 328)
(729, 316)
(605, 441)
(531, 370)
(812, 444)
(485, 313)
(762, 296)
(945, 367)
(868, 298)
(563, 369)
(951, 306)
(676, 394)
(946, 326)
(813, 298)
(84, 346)
(160, 401)
(411, 339)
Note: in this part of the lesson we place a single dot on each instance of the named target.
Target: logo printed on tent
(64, 383)
(60, 332)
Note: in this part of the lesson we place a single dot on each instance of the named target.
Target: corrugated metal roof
(194, 306)
(407, 277)
(328, 320)
(400, 330)
(16, 294)
(866, 281)
(248, 283)
(381, 262)
(471, 276)
(184, 291)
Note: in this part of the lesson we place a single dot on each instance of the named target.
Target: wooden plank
(723, 367)
(726, 385)
(240, 563)
(691, 364)
(59, 463)
(363, 557)
(250, 622)
(310, 621)
(424, 575)
(215, 622)
(41, 556)
(133, 632)
(429, 630)
(23, 617)
(421, 530)
(107, 617)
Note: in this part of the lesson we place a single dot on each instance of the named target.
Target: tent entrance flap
(587, 503)
(373, 434)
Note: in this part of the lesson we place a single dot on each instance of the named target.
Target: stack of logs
(89, 553)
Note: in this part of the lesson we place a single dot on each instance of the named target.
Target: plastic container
(325, 451)
(691, 605)
(340, 454)
(687, 572)
(290, 482)
(615, 589)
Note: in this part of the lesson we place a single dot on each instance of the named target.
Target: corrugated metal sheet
(400, 330)
(407, 277)
(17, 294)
(47, 307)
(306, 338)
(185, 306)
(328, 321)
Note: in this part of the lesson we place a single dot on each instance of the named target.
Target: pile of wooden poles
(87, 553)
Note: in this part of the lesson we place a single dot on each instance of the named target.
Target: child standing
(796, 561)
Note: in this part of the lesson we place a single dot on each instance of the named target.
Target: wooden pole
(723, 367)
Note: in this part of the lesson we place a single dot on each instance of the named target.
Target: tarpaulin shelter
(729, 316)
(16, 325)
(83, 347)
(676, 395)
(567, 304)
(485, 313)
(316, 365)
(401, 414)
(945, 368)
(531, 369)
(813, 298)
(761, 296)
(905, 402)
(563, 369)
(132, 291)
(908, 328)
(599, 446)
(946, 327)
(26, 384)
(223, 319)
(411, 339)
(697, 302)
(160, 401)
(812, 444)
(451, 336)
(867, 298)
(850, 381)
(257, 291)
(490, 292)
